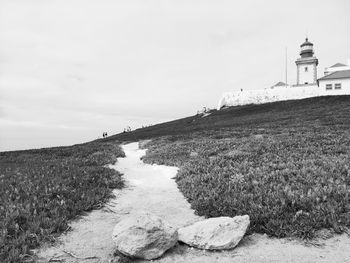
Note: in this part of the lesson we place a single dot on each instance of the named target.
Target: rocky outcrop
(215, 233)
(145, 236)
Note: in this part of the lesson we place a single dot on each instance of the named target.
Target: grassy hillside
(41, 190)
(294, 114)
(286, 164)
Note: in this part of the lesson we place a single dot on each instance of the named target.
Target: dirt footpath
(152, 188)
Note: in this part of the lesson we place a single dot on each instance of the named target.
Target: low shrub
(41, 190)
(289, 183)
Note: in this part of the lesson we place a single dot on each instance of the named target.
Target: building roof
(306, 43)
(338, 65)
(280, 83)
(344, 74)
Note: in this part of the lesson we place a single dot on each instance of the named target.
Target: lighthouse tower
(307, 65)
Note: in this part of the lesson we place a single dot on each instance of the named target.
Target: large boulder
(215, 233)
(145, 236)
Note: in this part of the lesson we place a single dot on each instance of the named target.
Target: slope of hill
(286, 164)
(293, 114)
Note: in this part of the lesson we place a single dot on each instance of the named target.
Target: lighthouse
(335, 82)
(307, 65)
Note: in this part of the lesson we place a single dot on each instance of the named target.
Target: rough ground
(151, 188)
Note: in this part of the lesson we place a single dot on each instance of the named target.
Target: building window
(337, 86)
(306, 69)
(328, 86)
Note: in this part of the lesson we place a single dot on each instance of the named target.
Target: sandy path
(151, 188)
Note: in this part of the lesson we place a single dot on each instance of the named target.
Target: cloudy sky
(72, 69)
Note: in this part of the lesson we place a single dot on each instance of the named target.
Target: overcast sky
(72, 69)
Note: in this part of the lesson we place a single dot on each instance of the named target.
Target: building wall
(308, 76)
(330, 69)
(345, 87)
(268, 95)
(282, 93)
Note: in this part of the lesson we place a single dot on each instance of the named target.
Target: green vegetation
(41, 190)
(285, 164)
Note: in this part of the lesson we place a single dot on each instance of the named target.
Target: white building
(335, 82)
(337, 67)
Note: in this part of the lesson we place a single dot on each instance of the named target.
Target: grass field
(285, 164)
(41, 190)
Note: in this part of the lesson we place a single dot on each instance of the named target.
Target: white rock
(215, 233)
(193, 154)
(145, 236)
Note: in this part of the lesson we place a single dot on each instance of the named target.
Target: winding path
(152, 188)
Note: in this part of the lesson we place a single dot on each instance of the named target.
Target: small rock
(144, 236)
(120, 259)
(215, 233)
(212, 158)
(193, 154)
(259, 136)
(235, 153)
